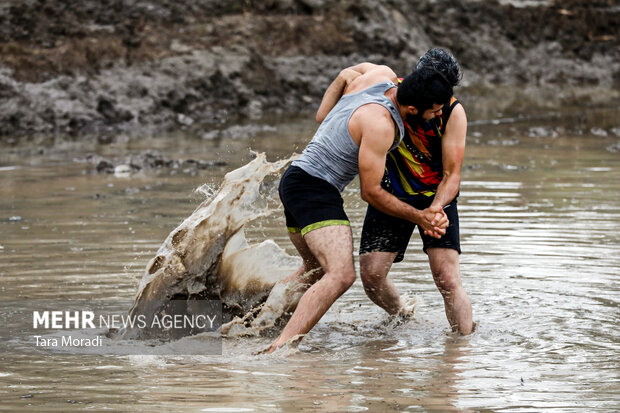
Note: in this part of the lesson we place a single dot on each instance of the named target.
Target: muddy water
(541, 255)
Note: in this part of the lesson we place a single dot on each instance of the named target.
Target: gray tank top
(332, 155)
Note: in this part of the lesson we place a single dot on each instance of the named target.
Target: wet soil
(82, 67)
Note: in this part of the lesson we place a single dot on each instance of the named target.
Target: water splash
(206, 190)
(207, 255)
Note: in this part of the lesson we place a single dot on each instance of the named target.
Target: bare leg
(285, 295)
(333, 248)
(444, 263)
(310, 270)
(374, 268)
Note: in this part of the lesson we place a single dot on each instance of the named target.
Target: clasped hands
(434, 221)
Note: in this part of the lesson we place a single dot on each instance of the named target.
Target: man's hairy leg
(374, 268)
(310, 270)
(333, 248)
(285, 295)
(444, 263)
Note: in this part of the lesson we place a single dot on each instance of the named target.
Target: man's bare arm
(339, 86)
(377, 137)
(453, 152)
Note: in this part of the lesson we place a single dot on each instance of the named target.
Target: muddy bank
(145, 161)
(98, 66)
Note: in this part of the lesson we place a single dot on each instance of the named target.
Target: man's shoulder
(381, 74)
(380, 71)
(373, 112)
(456, 111)
(371, 116)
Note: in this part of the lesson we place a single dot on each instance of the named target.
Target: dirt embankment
(79, 66)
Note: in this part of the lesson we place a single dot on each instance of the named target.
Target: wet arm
(338, 87)
(453, 152)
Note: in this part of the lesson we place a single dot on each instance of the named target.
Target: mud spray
(207, 257)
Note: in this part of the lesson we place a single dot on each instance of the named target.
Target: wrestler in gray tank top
(332, 155)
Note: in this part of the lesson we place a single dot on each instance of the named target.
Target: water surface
(539, 212)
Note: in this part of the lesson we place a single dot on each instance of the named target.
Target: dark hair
(424, 88)
(444, 62)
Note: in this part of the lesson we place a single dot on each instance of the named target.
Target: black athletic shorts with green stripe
(309, 202)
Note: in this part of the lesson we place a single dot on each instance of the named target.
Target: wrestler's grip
(434, 221)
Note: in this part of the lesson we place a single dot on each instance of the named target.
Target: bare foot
(267, 350)
(293, 342)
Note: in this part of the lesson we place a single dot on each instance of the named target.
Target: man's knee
(445, 268)
(371, 281)
(369, 275)
(373, 271)
(447, 280)
(344, 279)
(348, 279)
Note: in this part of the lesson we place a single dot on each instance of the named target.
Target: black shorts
(385, 233)
(309, 202)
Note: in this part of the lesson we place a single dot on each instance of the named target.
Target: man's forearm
(389, 204)
(453, 152)
(432, 220)
(447, 190)
(330, 98)
(335, 91)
